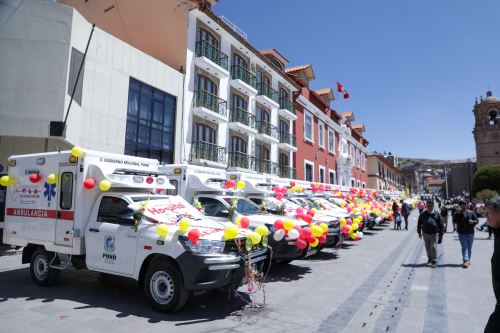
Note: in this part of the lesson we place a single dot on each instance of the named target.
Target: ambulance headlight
(204, 246)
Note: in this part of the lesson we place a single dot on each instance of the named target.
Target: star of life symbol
(49, 191)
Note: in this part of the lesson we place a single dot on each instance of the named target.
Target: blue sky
(412, 67)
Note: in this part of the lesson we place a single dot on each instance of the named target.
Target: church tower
(487, 130)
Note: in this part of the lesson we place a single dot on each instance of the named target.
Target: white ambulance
(208, 186)
(104, 212)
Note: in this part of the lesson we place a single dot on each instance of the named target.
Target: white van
(61, 220)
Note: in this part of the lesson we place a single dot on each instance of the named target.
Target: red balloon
(306, 233)
(244, 222)
(322, 239)
(348, 221)
(321, 188)
(279, 196)
(284, 190)
(311, 239)
(299, 210)
(35, 177)
(230, 183)
(292, 184)
(276, 189)
(298, 228)
(194, 235)
(89, 183)
(308, 219)
(310, 212)
(300, 244)
(278, 224)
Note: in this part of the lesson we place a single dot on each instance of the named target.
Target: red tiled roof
(296, 68)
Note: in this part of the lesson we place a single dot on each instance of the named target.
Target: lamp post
(446, 178)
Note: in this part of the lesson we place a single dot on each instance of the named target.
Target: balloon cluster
(240, 184)
(305, 215)
(280, 192)
(315, 187)
(313, 235)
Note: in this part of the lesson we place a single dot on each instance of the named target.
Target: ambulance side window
(213, 207)
(256, 201)
(111, 208)
(66, 200)
(175, 184)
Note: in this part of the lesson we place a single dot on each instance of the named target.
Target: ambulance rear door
(66, 205)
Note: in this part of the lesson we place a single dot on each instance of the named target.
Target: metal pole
(446, 178)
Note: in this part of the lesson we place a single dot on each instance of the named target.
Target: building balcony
(267, 96)
(208, 154)
(242, 121)
(287, 172)
(211, 59)
(287, 109)
(267, 133)
(241, 162)
(266, 166)
(243, 80)
(288, 141)
(209, 106)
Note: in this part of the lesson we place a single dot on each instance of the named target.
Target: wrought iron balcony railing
(287, 172)
(268, 129)
(208, 151)
(212, 102)
(238, 72)
(286, 104)
(205, 49)
(266, 166)
(241, 116)
(266, 90)
(241, 160)
(286, 137)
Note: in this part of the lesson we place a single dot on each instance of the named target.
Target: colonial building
(487, 130)
(383, 175)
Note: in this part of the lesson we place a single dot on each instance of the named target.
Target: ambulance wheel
(41, 272)
(164, 287)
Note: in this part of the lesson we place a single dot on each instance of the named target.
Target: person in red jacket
(493, 214)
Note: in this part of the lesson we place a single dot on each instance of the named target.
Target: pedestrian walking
(421, 206)
(444, 217)
(465, 220)
(405, 211)
(430, 227)
(395, 214)
(493, 215)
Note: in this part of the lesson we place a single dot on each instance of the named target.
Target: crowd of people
(433, 223)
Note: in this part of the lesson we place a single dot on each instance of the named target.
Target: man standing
(444, 217)
(405, 211)
(493, 215)
(431, 227)
(465, 220)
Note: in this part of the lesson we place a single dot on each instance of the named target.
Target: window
(284, 160)
(331, 140)
(352, 151)
(284, 94)
(204, 133)
(309, 171)
(263, 115)
(74, 67)
(66, 200)
(150, 123)
(364, 185)
(203, 83)
(322, 175)
(244, 206)
(175, 184)
(358, 158)
(331, 178)
(238, 145)
(239, 103)
(363, 161)
(213, 207)
(359, 183)
(353, 182)
(239, 61)
(262, 152)
(308, 127)
(321, 134)
(205, 35)
(111, 208)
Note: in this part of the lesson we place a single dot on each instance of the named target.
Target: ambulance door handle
(93, 230)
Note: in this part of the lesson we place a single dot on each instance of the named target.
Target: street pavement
(378, 284)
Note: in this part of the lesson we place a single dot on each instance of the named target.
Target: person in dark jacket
(430, 226)
(405, 211)
(395, 214)
(444, 217)
(465, 221)
(493, 214)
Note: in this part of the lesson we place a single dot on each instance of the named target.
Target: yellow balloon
(77, 151)
(288, 224)
(316, 230)
(262, 230)
(184, 225)
(254, 237)
(162, 230)
(316, 242)
(5, 181)
(231, 232)
(354, 226)
(314, 210)
(237, 220)
(353, 236)
(52, 178)
(324, 227)
(240, 185)
(104, 185)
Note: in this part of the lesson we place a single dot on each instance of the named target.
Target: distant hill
(405, 162)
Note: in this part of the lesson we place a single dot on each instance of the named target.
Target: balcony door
(204, 133)
(239, 103)
(263, 115)
(239, 61)
(238, 145)
(284, 95)
(206, 36)
(205, 84)
(263, 78)
(284, 127)
(284, 160)
(262, 152)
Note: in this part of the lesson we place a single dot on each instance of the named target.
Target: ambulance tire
(41, 273)
(164, 286)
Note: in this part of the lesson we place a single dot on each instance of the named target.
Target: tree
(487, 177)
(486, 195)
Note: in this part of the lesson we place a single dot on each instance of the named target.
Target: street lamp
(446, 177)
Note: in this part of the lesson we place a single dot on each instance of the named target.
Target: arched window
(205, 84)
(239, 102)
(204, 133)
(238, 145)
(239, 61)
(492, 117)
(284, 160)
(205, 35)
(262, 152)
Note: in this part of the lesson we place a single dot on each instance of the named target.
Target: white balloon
(294, 234)
(360, 235)
(279, 235)
(378, 219)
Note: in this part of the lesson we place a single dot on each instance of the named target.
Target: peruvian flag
(341, 89)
